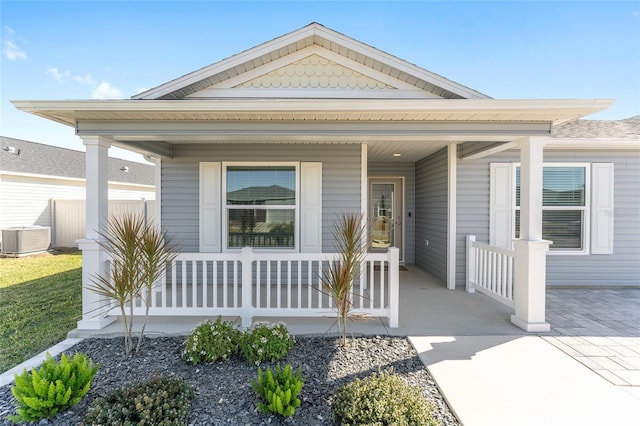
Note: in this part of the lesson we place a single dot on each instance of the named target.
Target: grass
(40, 302)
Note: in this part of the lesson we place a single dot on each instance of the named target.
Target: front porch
(427, 307)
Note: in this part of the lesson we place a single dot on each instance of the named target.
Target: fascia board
(591, 143)
(298, 105)
(400, 64)
(225, 64)
(70, 179)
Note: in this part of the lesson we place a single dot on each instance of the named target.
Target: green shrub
(159, 401)
(279, 391)
(210, 342)
(381, 399)
(54, 387)
(264, 342)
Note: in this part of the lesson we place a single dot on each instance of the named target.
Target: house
(33, 176)
(265, 148)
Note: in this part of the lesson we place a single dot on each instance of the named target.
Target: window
(260, 206)
(564, 206)
(577, 210)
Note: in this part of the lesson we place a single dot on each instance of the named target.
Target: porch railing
(490, 270)
(254, 283)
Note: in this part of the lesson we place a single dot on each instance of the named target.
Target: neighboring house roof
(629, 128)
(261, 195)
(350, 54)
(36, 158)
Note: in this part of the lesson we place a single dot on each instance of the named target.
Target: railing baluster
(383, 281)
(309, 284)
(299, 279)
(268, 282)
(225, 283)
(236, 280)
(194, 284)
(183, 287)
(174, 285)
(205, 284)
(215, 281)
(278, 283)
(289, 295)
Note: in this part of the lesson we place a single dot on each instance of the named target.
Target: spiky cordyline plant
(337, 280)
(139, 254)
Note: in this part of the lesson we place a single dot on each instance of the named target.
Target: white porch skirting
(257, 284)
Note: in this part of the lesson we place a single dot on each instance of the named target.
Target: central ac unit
(25, 239)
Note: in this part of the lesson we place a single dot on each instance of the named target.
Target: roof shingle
(37, 158)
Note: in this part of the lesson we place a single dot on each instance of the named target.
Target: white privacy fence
(253, 283)
(68, 218)
(490, 270)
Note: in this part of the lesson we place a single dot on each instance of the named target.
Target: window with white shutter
(577, 206)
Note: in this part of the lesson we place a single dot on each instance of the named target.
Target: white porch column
(531, 249)
(93, 262)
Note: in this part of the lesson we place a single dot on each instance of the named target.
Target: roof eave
(557, 110)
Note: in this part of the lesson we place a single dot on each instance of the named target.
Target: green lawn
(40, 301)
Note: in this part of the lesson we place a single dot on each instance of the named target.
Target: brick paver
(601, 329)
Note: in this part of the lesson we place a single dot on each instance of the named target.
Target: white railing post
(530, 285)
(471, 264)
(247, 286)
(394, 286)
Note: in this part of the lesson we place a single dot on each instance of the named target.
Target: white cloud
(57, 75)
(84, 79)
(105, 90)
(142, 89)
(12, 52)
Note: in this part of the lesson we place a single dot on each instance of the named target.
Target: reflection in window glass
(563, 228)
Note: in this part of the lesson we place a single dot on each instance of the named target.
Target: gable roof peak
(313, 34)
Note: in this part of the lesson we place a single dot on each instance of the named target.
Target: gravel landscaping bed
(223, 390)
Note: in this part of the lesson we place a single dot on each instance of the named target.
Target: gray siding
(431, 214)
(622, 268)
(407, 171)
(180, 182)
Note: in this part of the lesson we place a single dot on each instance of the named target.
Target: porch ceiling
(412, 127)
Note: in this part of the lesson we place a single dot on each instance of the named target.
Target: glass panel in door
(382, 202)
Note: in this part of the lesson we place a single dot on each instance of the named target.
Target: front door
(385, 213)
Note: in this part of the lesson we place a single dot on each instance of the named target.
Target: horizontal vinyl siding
(25, 201)
(407, 171)
(180, 182)
(431, 214)
(622, 268)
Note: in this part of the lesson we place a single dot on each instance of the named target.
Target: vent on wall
(28, 239)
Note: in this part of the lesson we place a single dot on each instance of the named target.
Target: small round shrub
(159, 401)
(54, 387)
(381, 399)
(211, 341)
(264, 342)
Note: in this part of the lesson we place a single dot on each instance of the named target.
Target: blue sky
(507, 50)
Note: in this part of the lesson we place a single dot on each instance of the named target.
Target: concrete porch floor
(427, 307)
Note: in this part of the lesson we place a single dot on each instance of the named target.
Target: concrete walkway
(521, 380)
(585, 372)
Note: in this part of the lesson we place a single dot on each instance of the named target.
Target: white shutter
(210, 207)
(501, 204)
(311, 207)
(602, 208)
